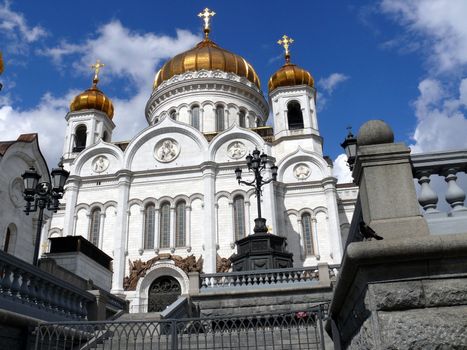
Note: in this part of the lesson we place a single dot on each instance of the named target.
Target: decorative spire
(96, 66)
(206, 16)
(285, 42)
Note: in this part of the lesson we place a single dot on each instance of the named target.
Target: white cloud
(441, 23)
(127, 54)
(331, 82)
(14, 25)
(341, 170)
(327, 86)
(441, 122)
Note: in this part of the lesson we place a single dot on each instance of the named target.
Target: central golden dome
(206, 55)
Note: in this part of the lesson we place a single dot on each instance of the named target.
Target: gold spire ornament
(285, 42)
(97, 66)
(206, 16)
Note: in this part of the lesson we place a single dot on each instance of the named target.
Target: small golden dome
(289, 75)
(206, 55)
(93, 98)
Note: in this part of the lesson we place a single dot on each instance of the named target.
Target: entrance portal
(163, 292)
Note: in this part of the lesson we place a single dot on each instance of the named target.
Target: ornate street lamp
(258, 162)
(350, 147)
(41, 195)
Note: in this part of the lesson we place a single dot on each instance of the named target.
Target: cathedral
(171, 189)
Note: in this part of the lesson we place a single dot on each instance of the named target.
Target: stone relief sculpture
(139, 268)
(166, 150)
(302, 171)
(100, 164)
(236, 150)
(16, 192)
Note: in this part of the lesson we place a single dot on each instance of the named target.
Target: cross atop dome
(285, 42)
(97, 66)
(206, 15)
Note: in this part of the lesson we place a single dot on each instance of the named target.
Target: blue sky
(401, 61)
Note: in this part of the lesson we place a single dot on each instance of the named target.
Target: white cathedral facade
(172, 187)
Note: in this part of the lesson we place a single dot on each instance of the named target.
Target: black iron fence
(292, 330)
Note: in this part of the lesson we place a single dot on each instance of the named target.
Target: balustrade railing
(429, 169)
(300, 329)
(28, 290)
(260, 278)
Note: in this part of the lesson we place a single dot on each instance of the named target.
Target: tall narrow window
(173, 114)
(7, 240)
(165, 225)
(307, 234)
(94, 227)
(195, 117)
(294, 115)
(241, 118)
(239, 217)
(180, 228)
(106, 136)
(80, 138)
(220, 118)
(149, 226)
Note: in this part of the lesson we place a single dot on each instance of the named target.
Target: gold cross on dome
(97, 66)
(206, 16)
(285, 42)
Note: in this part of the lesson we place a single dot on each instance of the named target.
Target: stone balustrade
(27, 290)
(449, 166)
(264, 278)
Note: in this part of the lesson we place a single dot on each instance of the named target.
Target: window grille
(180, 230)
(95, 227)
(195, 117)
(165, 226)
(307, 234)
(220, 118)
(241, 118)
(239, 217)
(149, 226)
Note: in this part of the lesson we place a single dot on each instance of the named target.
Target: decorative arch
(159, 270)
(100, 148)
(301, 155)
(55, 232)
(9, 242)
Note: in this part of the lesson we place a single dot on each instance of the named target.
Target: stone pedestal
(261, 251)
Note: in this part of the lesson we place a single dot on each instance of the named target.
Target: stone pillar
(188, 228)
(72, 188)
(248, 228)
(157, 234)
(101, 230)
(329, 185)
(172, 230)
(387, 192)
(124, 180)
(209, 236)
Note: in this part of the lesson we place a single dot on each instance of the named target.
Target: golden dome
(93, 98)
(206, 55)
(289, 75)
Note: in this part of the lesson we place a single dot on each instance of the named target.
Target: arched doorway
(163, 292)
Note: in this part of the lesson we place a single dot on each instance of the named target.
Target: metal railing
(260, 278)
(437, 174)
(27, 290)
(293, 330)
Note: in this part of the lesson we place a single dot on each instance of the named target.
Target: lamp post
(258, 162)
(41, 195)
(350, 147)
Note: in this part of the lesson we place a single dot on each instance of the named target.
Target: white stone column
(315, 238)
(188, 228)
(209, 236)
(216, 223)
(172, 229)
(227, 117)
(101, 229)
(71, 191)
(232, 227)
(143, 231)
(157, 239)
(201, 119)
(247, 219)
(301, 240)
(124, 180)
(268, 203)
(329, 184)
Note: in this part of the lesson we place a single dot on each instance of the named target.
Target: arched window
(239, 217)
(94, 227)
(220, 118)
(307, 234)
(294, 115)
(180, 226)
(10, 239)
(80, 138)
(149, 225)
(241, 119)
(105, 136)
(173, 114)
(165, 225)
(195, 117)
